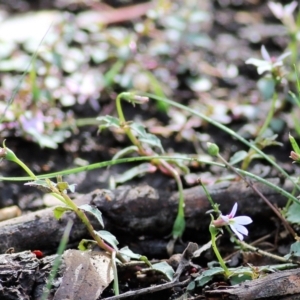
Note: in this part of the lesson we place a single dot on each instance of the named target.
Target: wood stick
(130, 212)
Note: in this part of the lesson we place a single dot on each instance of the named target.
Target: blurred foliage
(82, 59)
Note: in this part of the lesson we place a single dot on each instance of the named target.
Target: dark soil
(235, 32)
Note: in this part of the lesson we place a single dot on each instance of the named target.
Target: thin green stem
(265, 253)
(213, 233)
(25, 168)
(111, 163)
(179, 224)
(213, 205)
(275, 187)
(262, 130)
(293, 46)
(225, 129)
(116, 280)
(127, 129)
(269, 118)
(290, 201)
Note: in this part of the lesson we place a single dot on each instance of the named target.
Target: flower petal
(283, 56)
(240, 228)
(265, 54)
(289, 8)
(262, 69)
(233, 211)
(277, 9)
(240, 236)
(256, 62)
(242, 220)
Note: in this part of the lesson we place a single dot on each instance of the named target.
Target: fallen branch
(281, 285)
(130, 212)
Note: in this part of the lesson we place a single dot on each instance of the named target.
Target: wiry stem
(82, 216)
(165, 167)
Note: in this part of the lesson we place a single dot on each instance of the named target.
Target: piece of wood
(280, 285)
(129, 212)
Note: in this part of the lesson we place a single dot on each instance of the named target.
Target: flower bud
(295, 156)
(133, 98)
(140, 99)
(7, 154)
(212, 149)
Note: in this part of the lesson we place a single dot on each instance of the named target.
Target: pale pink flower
(282, 12)
(236, 223)
(268, 63)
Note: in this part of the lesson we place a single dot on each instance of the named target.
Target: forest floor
(82, 54)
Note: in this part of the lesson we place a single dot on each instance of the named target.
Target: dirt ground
(193, 52)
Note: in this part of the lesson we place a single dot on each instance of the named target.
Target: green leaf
(207, 275)
(108, 121)
(191, 286)
(164, 268)
(157, 90)
(238, 157)
(294, 251)
(239, 278)
(270, 141)
(85, 245)
(44, 140)
(293, 214)
(94, 211)
(242, 274)
(135, 171)
(72, 187)
(41, 184)
(108, 237)
(178, 227)
(145, 137)
(180, 163)
(58, 211)
(62, 186)
(110, 75)
(145, 260)
(125, 251)
(266, 86)
(294, 144)
(125, 152)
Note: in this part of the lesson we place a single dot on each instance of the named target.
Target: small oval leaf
(94, 211)
(59, 211)
(164, 268)
(108, 237)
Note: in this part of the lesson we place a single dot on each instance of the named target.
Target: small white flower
(236, 223)
(282, 12)
(268, 63)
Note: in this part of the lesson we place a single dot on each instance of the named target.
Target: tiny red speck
(38, 253)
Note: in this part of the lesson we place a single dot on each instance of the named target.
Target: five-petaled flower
(268, 63)
(236, 223)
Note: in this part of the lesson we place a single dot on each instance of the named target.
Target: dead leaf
(86, 275)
